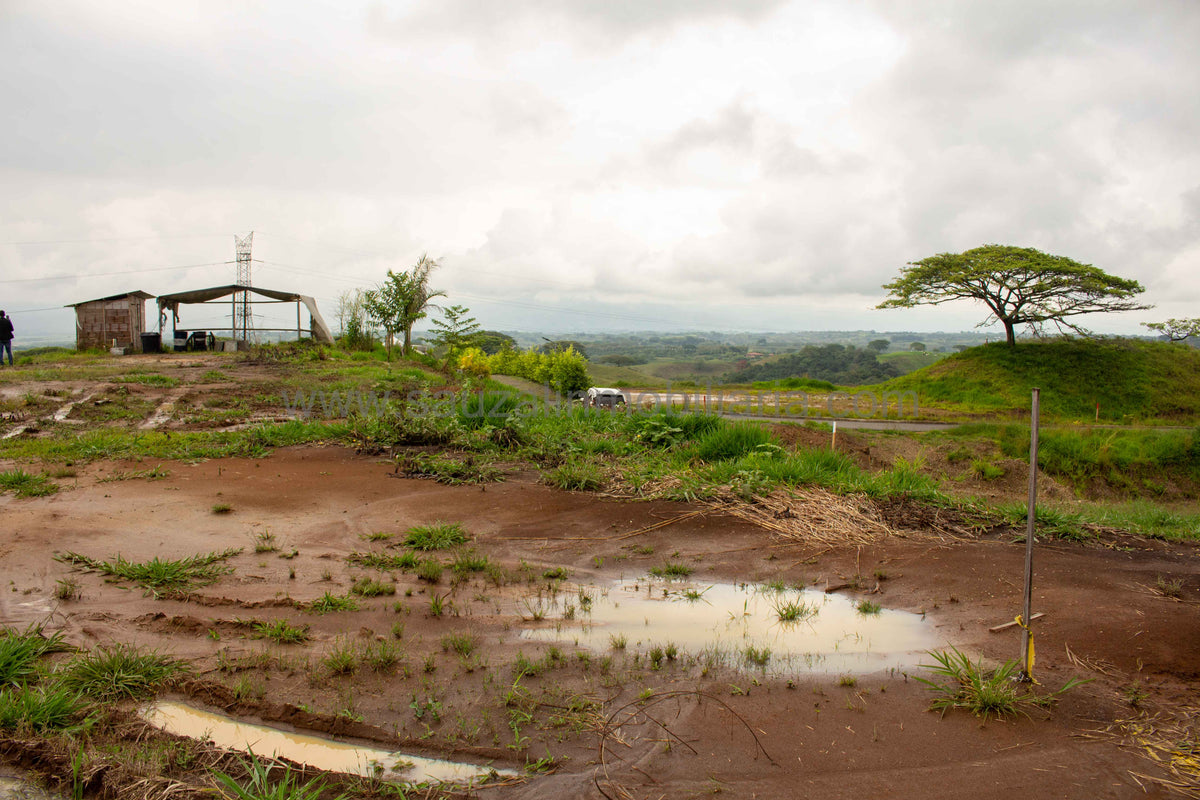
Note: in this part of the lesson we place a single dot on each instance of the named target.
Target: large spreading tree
(1020, 285)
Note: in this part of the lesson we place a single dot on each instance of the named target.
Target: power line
(109, 274)
(518, 303)
(33, 310)
(115, 239)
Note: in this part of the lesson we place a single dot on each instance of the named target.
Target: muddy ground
(739, 732)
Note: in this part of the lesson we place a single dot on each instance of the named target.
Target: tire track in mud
(162, 414)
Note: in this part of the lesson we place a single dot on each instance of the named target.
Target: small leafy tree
(1177, 330)
(401, 300)
(455, 331)
(918, 347)
(352, 320)
(1020, 285)
(879, 345)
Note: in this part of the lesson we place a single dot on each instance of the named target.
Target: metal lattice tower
(242, 321)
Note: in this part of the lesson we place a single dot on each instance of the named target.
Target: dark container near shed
(151, 342)
(181, 339)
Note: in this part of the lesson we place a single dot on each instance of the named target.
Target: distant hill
(1131, 379)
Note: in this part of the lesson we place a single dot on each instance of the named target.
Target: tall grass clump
(962, 683)
(269, 780)
(24, 484)
(20, 650)
(120, 672)
(487, 408)
(732, 441)
(44, 708)
(438, 536)
(576, 474)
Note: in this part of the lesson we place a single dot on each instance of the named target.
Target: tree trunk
(407, 340)
(1009, 335)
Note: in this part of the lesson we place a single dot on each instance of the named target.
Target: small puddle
(18, 789)
(734, 625)
(314, 751)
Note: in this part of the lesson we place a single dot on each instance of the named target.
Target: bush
(564, 371)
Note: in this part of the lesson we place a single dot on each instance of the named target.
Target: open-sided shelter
(114, 321)
(216, 295)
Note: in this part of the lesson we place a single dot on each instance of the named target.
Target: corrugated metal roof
(138, 294)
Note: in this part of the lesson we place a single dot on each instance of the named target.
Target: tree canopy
(1020, 285)
(1177, 330)
(401, 300)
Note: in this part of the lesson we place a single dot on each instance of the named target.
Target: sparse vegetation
(967, 685)
(329, 603)
(281, 631)
(119, 672)
(672, 569)
(160, 576)
(438, 536)
(24, 484)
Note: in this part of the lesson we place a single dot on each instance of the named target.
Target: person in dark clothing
(6, 334)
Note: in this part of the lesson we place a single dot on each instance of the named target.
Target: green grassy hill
(1134, 381)
(911, 361)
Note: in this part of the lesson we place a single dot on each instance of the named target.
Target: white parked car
(598, 397)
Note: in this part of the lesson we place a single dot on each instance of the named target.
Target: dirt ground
(738, 733)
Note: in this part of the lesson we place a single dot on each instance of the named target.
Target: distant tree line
(840, 364)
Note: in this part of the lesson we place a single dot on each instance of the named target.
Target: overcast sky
(751, 164)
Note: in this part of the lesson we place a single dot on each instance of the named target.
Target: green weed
(281, 631)
(438, 536)
(672, 569)
(120, 672)
(868, 607)
(159, 576)
(370, 587)
(23, 484)
(983, 692)
(576, 474)
(329, 603)
(44, 708)
(20, 650)
(269, 780)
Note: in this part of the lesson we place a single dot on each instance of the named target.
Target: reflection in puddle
(735, 626)
(183, 720)
(17, 789)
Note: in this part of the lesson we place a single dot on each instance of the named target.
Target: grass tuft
(329, 603)
(120, 672)
(984, 693)
(438, 536)
(24, 484)
(269, 780)
(158, 576)
(280, 630)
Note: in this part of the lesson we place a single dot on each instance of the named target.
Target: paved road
(846, 423)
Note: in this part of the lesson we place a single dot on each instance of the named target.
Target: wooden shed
(119, 319)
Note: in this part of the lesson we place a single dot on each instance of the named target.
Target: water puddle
(314, 751)
(741, 626)
(18, 789)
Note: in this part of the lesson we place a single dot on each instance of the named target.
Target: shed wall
(98, 323)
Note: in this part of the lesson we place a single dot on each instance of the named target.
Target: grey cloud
(611, 18)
